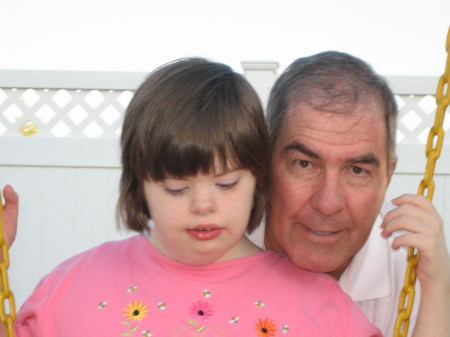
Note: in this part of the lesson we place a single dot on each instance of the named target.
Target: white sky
(398, 37)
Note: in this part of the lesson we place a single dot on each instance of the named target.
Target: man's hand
(424, 231)
(10, 214)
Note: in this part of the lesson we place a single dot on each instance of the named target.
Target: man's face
(330, 177)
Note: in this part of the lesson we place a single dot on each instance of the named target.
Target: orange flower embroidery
(265, 328)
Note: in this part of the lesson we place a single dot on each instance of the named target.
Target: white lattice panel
(417, 113)
(63, 113)
(99, 113)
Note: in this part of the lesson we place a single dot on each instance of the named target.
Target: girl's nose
(203, 203)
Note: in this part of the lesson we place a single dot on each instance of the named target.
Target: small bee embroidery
(101, 305)
(259, 304)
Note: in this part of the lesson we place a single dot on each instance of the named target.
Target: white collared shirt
(375, 278)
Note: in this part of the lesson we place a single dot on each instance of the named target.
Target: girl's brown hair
(186, 116)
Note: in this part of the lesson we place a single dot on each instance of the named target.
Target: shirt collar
(368, 275)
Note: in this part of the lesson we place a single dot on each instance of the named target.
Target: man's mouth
(320, 232)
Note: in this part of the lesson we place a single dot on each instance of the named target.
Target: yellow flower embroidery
(136, 311)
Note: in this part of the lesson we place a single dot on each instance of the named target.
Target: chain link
(426, 188)
(7, 305)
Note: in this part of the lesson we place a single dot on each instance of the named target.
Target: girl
(196, 174)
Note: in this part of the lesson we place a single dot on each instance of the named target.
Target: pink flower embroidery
(201, 310)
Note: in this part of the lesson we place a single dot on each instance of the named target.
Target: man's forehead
(304, 115)
(355, 136)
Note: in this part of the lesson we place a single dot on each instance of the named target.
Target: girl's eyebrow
(228, 170)
(214, 174)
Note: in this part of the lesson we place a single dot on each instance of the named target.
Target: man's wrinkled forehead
(340, 97)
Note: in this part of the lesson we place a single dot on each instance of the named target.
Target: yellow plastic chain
(426, 188)
(7, 305)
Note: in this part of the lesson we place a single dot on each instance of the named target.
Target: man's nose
(328, 197)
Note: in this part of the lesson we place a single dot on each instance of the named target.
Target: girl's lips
(205, 232)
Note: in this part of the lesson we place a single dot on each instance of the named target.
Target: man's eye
(357, 170)
(303, 163)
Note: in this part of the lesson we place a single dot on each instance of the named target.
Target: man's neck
(337, 273)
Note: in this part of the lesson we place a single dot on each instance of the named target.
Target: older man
(332, 122)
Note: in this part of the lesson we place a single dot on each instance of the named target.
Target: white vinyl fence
(59, 149)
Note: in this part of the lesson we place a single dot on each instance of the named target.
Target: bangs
(199, 141)
(180, 155)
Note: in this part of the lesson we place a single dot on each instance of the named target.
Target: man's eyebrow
(299, 147)
(368, 158)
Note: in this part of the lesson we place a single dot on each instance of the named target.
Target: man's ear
(391, 168)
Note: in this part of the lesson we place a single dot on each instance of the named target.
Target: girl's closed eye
(175, 191)
(174, 187)
(227, 185)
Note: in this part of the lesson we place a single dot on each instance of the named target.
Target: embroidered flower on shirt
(201, 310)
(234, 320)
(259, 303)
(285, 328)
(265, 328)
(161, 306)
(136, 311)
(206, 293)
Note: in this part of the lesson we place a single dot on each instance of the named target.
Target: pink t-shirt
(127, 288)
